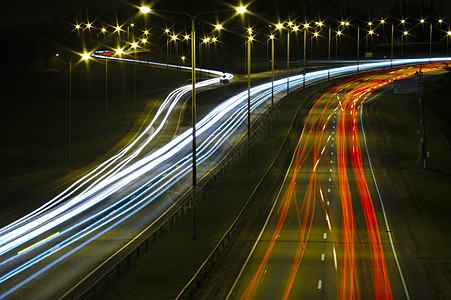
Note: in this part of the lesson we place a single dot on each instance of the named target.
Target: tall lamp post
(430, 41)
(69, 140)
(320, 24)
(85, 56)
(405, 33)
(240, 10)
(288, 57)
(392, 42)
(271, 37)
(106, 97)
(249, 45)
(306, 26)
(134, 46)
(358, 48)
(337, 35)
(328, 53)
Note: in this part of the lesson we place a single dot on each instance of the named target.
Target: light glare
(241, 9)
(144, 9)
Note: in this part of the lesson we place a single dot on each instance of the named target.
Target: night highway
(132, 111)
(328, 234)
(133, 183)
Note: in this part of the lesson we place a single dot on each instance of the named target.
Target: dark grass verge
(34, 122)
(429, 188)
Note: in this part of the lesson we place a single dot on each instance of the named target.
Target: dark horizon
(33, 11)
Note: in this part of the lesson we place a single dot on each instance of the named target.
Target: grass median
(429, 222)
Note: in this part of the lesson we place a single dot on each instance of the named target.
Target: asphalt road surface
(328, 234)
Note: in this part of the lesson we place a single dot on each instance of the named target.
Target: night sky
(16, 12)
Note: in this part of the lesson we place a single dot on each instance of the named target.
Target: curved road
(49, 250)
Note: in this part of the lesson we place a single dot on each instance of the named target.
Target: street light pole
(288, 61)
(69, 141)
(193, 120)
(123, 89)
(305, 41)
(328, 54)
(106, 97)
(134, 76)
(358, 48)
(249, 103)
(430, 42)
(391, 56)
(272, 82)
(447, 42)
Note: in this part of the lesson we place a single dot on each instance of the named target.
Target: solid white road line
(383, 209)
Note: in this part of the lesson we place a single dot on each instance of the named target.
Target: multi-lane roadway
(328, 235)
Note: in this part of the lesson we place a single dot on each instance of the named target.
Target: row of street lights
(293, 28)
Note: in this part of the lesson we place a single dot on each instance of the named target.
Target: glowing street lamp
(249, 44)
(134, 46)
(316, 35)
(338, 34)
(145, 9)
(294, 28)
(120, 51)
(241, 9)
(370, 33)
(404, 34)
(85, 56)
(306, 27)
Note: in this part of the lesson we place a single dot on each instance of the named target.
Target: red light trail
(360, 264)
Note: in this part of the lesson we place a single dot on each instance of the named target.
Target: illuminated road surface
(327, 236)
(51, 249)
